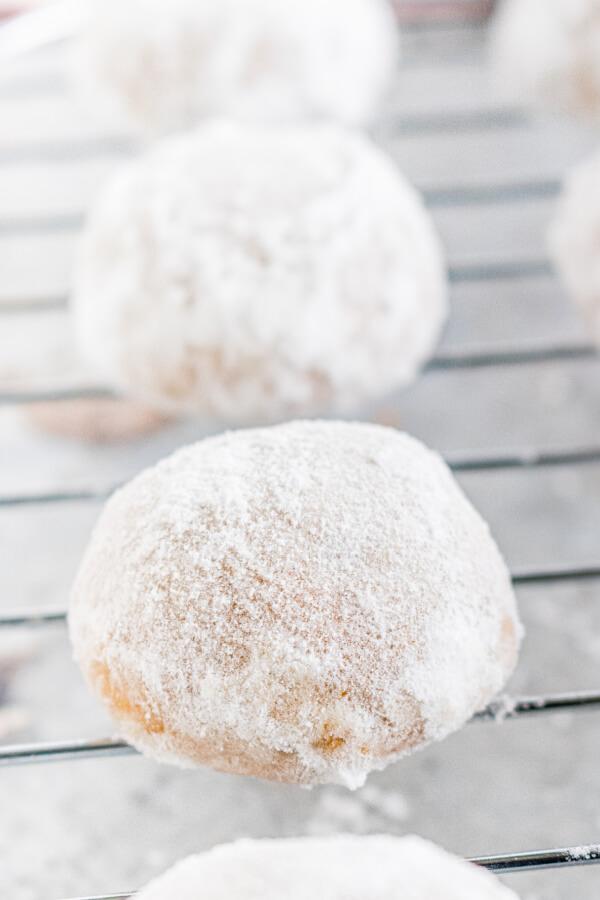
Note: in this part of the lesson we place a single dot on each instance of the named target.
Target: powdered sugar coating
(255, 274)
(302, 603)
(378, 867)
(575, 239)
(547, 54)
(164, 65)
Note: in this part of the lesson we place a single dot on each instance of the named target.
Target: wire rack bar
(555, 574)
(109, 897)
(68, 151)
(541, 859)
(33, 618)
(407, 126)
(477, 358)
(506, 708)
(433, 123)
(499, 269)
(59, 751)
(32, 305)
(500, 710)
(417, 125)
(67, 496)
(437, 196)
(55, 395)
(458, 273)
(525, 459)
(492, 192)
(510, 356)
(40, 225)
(481, 462)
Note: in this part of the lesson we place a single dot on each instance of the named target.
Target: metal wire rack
(35, 30)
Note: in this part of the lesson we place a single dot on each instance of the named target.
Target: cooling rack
(38, 29)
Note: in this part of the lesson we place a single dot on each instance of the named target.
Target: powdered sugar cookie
(575, 240)
(165, 65)
(546, 54)
(345, 867)
(255, 274)
(303, 603)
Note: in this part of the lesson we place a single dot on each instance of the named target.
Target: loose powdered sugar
(338, 868)
(256, 274)
(547, 54)
(302, 603)
(575, 240)
(165, 64)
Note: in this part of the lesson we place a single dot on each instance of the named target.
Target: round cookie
(575, 240)
(164, 65)
(254, 274)
(302, 603)
(344, 867)
(546, 54)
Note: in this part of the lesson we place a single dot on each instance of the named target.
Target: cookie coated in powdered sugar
(302, 603)
(256, 274)
(546, 55)
(575, 240)
(345, 867)
(164, 65)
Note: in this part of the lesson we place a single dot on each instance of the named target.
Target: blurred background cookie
(167, 64)
(254, 273)
(546, 55)
(575, 240)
